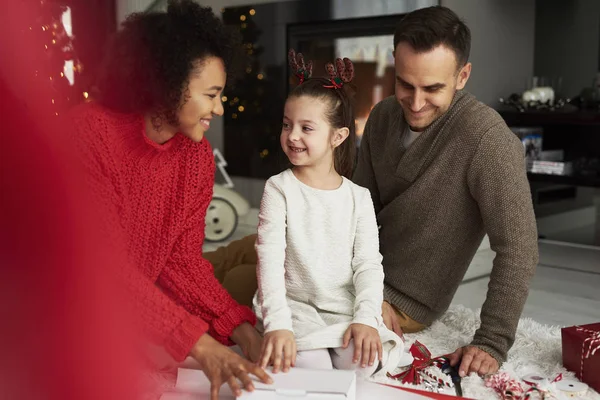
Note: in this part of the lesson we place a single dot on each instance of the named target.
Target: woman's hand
(367, 343)
(277, 345)
(249, 340)
(220, 364)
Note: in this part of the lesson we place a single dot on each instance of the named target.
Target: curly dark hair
(150, 58)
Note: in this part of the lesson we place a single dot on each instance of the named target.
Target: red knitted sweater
(153, 200)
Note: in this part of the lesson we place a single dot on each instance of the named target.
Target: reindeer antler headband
(298, 67)
(343, 72)
(340, 74)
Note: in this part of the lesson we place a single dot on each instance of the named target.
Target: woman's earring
(157, 122)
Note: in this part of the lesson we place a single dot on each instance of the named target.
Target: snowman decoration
(226, 207)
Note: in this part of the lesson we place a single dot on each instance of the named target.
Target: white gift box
(301, 383)
(297, 384)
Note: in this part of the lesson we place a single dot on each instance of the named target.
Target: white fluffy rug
(537, 349)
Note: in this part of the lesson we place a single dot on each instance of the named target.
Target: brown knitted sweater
(464, 176)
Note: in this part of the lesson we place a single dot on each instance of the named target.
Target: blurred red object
(430, 394)
(64, 333)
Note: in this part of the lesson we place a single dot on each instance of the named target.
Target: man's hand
(278, 345)
(221, 364)
(367, 344)
(390, 319)
(473, 359)
(249, 340)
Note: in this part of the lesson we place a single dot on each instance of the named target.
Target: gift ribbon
(543, 392)
(511, 389)
(505, 386)
(593, 344)
(422, 359)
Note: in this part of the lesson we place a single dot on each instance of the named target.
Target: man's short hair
(427, 28)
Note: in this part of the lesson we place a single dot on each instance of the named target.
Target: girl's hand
(277, 345)
(367, 343)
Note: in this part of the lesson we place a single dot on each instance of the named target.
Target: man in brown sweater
(444, 170)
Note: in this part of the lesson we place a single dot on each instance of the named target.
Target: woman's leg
(241, 283)
(342, 359)
(235, 268)
(407, 324)
(235, 253)
(314, 359)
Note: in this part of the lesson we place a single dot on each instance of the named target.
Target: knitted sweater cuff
(410, 307)
(498, 356)
(185, 336)
(373, 322)
(279, 325)
(224, 325)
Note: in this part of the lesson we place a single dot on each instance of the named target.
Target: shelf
(544, 117)
(576, 180)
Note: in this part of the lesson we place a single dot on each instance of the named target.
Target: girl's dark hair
(150, 58)
(339, 114)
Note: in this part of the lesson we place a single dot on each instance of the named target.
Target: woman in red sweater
(152, 173)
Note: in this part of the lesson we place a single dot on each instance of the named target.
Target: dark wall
(567, 42)
(251, 137)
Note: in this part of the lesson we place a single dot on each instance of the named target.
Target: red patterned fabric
(154, 199)
(422, 360)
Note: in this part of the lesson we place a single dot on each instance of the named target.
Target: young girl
(320, 278)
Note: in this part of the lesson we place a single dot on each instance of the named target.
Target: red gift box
(581, 352)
